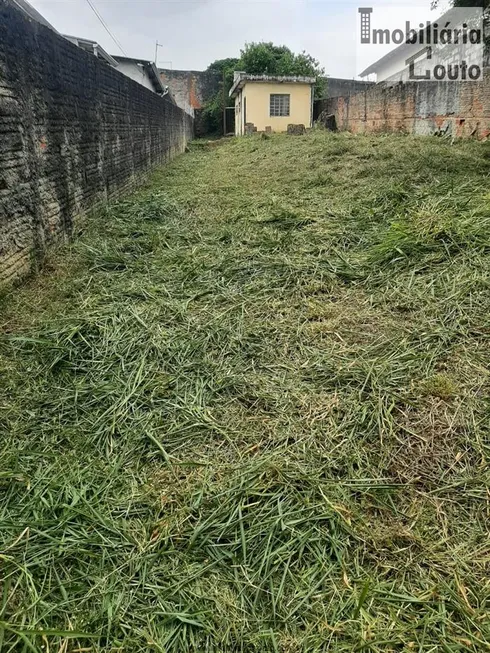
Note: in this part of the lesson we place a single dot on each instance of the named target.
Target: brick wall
(73, 131)
(455, 108)
(191, 88)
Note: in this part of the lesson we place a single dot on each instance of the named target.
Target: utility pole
(157, 45)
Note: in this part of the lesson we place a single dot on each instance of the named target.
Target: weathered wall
(191, 88)
(336, 86)
(456, 108)
(73, 131)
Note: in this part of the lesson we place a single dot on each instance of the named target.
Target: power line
(104, 25)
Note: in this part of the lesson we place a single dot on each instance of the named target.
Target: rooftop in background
(148, 69)
(92, 47)
(242, 78)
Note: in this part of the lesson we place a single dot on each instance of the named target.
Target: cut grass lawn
(248, 409)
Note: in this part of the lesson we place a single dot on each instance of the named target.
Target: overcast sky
(194, 33)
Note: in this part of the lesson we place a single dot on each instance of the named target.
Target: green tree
(213, 109)
(269, 59)
(225, 68)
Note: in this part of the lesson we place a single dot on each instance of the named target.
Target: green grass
(247, 410)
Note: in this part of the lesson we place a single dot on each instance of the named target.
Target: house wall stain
(73, 132)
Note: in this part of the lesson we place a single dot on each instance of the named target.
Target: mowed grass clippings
(248, 409)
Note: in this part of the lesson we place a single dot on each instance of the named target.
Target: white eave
(92, 47)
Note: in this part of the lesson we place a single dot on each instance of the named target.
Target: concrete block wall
(460, 109)
(73, 132)
(337, 86)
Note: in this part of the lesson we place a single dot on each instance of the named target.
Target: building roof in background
(150, 69)
(92, 47)
(241, 79)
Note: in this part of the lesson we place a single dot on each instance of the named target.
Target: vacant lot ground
(248, 409)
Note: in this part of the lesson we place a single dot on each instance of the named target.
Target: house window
(279, 104)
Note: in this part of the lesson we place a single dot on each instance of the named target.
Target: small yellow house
(266, 103)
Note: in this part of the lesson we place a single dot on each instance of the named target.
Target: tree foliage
(213, 109)
(225, 68)
(269, 59)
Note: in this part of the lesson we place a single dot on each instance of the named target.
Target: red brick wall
(460, 109)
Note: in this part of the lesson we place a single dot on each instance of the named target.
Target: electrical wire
(105, 26)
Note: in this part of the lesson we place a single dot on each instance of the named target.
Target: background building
(270, 103)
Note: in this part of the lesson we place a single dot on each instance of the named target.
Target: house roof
(405, 51)
(241, 79)
(92, 47)
(150, 68)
